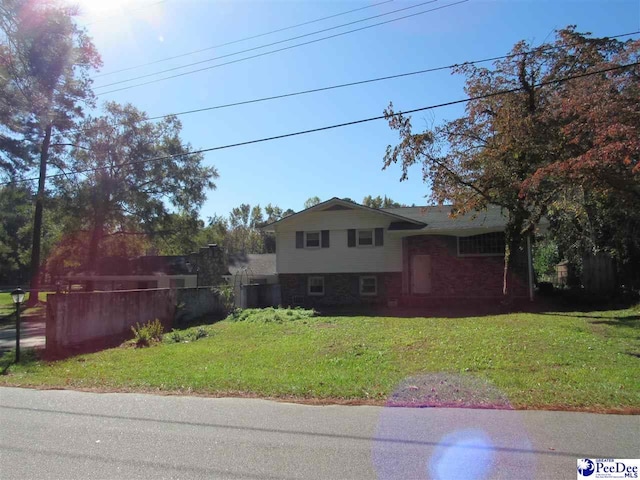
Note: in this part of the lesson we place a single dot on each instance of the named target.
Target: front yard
(8, 308)
(576, 361)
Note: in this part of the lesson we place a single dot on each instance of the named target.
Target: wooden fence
(599, 274)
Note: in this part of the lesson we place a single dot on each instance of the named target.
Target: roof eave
(335, 200)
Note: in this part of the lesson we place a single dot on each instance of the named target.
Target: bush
(270, 315)
(188, 335)
(225, 293)
(200, 332)
(175, 336)
(150, 332)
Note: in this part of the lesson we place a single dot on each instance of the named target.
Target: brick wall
(466, 277)
(470, 277)
(340, 289)
(211, 263)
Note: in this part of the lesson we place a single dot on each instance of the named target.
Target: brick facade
(452, 276)
(211, 264)
(339, 289)
(464, 276)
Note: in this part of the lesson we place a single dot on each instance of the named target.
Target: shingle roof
(145, 265)
(257, 264)
(438, 219)
(330, 204)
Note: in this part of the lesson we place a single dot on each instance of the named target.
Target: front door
(421, 274)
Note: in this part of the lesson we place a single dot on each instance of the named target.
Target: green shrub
(175, 336)
(200, 332)
(270, 315)
(225, 293)
(150, 332)
(188, 335)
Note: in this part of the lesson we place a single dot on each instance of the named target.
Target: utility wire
(240, 40)
(261, 46)
(338, 125)
(351, 84)
(270, 52)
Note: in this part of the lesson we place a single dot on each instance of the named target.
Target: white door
(421, 274)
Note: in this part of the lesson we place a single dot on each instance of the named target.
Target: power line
(266, 53)
(351, 84)
(262, 46)
(240, 40)
(339, 125)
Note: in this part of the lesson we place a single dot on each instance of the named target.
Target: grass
(7, 307)
(575, 361)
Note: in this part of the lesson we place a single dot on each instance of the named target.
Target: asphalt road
(66, 434)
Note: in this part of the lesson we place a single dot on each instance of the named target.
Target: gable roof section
(336, 203)
(438, 220)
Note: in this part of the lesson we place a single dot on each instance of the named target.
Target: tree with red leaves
(544, 126)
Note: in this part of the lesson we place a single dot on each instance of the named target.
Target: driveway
(32, 333)
(67, 434)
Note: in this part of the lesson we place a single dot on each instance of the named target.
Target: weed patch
(271, 315)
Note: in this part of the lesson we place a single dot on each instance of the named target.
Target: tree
(379, 202)
(46, 60)
(15, 232)
(311, 202)
(273, 213)
(244, 235)
(134, 171)
(179, 233)
(525, 139)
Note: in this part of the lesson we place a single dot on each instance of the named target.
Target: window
(312, 239)
(368, 237)
(315, 286)
(368, 285)
(485, 244)
(365, 238)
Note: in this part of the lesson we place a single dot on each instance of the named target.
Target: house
(204, 267)
(138, 273)
(342, 253)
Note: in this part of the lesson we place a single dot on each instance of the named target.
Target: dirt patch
(448, 389)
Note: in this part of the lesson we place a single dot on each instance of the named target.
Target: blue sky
(345, 162)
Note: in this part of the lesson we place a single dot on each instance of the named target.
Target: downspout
(530, 267)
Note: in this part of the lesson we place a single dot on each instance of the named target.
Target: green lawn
(7, 306)
(580, 361)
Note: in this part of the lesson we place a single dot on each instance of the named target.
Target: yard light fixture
(18, 297)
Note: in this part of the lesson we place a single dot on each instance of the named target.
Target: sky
(343, 162)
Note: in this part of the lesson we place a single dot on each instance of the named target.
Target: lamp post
(18, 296)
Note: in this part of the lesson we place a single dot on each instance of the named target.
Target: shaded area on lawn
(630, 319)
(457, 308)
